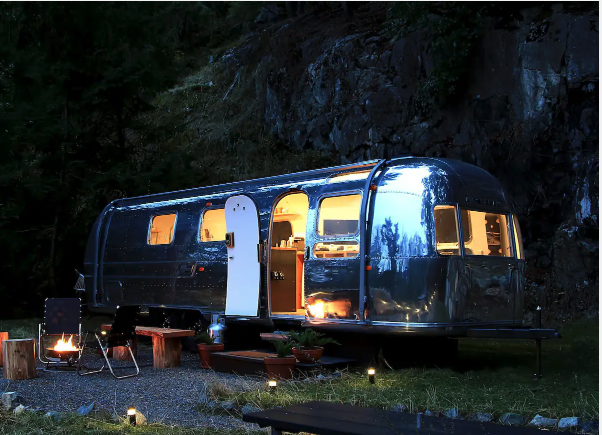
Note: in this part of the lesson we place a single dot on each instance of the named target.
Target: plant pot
(280, 368)
(205, 351)
(308, 356)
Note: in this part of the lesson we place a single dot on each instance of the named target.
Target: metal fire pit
(70, 356)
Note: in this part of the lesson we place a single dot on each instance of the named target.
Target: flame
(322, 309)
(65, 345)
(316, 310)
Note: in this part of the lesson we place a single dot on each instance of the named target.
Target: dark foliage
(74, 81)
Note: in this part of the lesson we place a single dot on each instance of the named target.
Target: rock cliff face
(529, 116)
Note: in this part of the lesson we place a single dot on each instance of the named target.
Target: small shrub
(204, 338)
(310, 339)
(283, 348)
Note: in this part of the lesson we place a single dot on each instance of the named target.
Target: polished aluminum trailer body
(399, 282)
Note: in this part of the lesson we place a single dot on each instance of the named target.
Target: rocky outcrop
(529, 115)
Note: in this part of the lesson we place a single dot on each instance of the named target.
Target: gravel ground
(169, 396)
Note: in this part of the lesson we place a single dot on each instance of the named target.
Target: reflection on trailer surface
(419, 245)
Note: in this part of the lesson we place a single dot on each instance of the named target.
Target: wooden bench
(167, 349)
(326, 418)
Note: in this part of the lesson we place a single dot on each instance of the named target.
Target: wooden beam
(166, 352)
(19, 359)
(3, 336)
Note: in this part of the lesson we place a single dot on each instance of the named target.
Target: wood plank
(321, 425)
(158, 332)
(275, 336)
(326, 418)
(365, 416)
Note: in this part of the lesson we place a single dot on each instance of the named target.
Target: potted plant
(308, 345)
(205, 346)
(283, 364)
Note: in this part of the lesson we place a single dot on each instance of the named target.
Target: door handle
(307, 253)
(187, 269)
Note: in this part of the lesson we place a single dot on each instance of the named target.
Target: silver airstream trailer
(419, 245)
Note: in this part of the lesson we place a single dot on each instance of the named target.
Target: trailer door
(242, 239)
(489, 266)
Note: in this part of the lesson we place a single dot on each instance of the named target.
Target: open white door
(242, 223)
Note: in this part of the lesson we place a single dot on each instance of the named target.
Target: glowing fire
(316, 310)
(322, 309)
(65, 345)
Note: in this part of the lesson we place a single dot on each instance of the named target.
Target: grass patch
(20, 328)
(31, 423)
(488, 376)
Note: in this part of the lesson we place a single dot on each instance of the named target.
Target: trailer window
(213, 225)
(161, 229)
(339, 215)
(446, 230)
(518, 239)
(487, 234)
(342, 249)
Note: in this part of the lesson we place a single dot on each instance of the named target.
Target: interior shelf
(280, 217)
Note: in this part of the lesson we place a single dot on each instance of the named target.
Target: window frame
(318, 238)
(200, 226)
(515, 237)
(321, 198)
(150, 226)
(510, 235)
(458, 230)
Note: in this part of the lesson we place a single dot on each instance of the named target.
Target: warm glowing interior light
(371, 372)
(213, 225)
(65, 345)
(316, 310)
(131, 411)
(321, 309)
(162, 229)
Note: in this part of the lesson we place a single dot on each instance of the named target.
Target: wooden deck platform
(250, 362)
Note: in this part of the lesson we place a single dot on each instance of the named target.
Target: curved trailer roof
(468, 183)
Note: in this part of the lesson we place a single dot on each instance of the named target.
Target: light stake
(371, 375)
(272, 384)
(132, 415)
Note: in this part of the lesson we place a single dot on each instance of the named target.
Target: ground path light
(272, 383)
(371, 375)
(132, 415)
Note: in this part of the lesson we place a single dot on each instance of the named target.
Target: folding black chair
(62, 317)
(122, 333)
